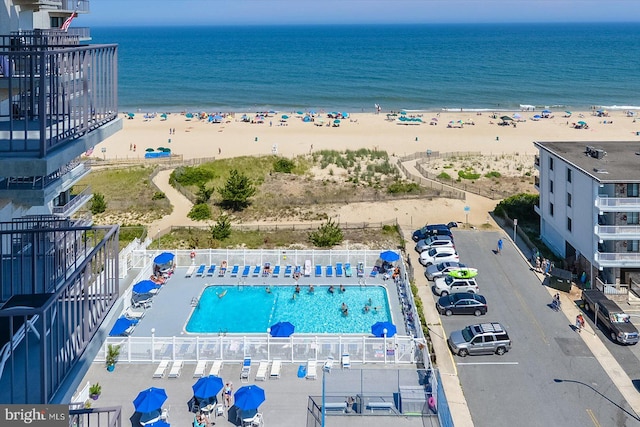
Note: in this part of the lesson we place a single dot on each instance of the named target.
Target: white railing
(617, 259)
(616, 231)
(294, 349)
(618, 203)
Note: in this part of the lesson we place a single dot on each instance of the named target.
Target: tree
(327, 235)
(237, 191)
(222, 228)
(200, 212)
(204, 194)
(98, 205)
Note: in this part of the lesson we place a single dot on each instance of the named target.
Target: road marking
(593, 418)
(488, 363)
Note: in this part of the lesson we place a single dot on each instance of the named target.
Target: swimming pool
(250, 309)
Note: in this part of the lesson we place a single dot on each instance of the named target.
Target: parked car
(438, 255)
(462, 303)
(433, 229)
(446, 285)
(442, 269)
(433, 241)
(485, 338)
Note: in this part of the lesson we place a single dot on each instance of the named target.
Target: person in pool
(268, 289)
(345, 309)
(331, 290)
(297, 288)
(342, 289)
(311, 289)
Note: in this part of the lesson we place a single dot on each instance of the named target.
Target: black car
(462, 303)
(434, 229)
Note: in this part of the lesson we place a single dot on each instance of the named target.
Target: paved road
(550, 377)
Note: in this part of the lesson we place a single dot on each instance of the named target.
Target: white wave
(620, 107)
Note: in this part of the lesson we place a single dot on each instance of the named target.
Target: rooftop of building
(604, 161)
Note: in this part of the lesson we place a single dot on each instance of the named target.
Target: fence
(292, 226)
(443, 190)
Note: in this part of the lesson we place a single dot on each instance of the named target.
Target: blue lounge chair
(234, 270)
(374, 271)
(318, 270)
(211, 270)
(200, 271)
(246, 369)
(245, 271)
(338, 269)
(287, 271)
(347, 270)
(360, 269)
(329, 270)
(256, 271)
(276, 271)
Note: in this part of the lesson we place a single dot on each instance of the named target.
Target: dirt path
(181, 207)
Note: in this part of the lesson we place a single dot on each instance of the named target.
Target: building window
(569, 199)
(632, 190)
(632, 245)
(551, 208)
(633, 218)
(568, 175)
(551, 163)
(550, 186)
(568, 223)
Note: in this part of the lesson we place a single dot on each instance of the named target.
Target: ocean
(352, 68)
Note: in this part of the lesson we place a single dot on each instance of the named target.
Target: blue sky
(267, 12)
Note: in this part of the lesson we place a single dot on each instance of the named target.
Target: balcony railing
(618, 259)
(76, 202)
(536, 161)
(618, 232)
(536, 182)
(618, 204)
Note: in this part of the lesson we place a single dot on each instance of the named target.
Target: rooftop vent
(597, 170)
(596, 153)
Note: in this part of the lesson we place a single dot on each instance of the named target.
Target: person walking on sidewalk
(579, 322)
(499, 246)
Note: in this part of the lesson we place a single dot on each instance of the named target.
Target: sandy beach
(195, 138)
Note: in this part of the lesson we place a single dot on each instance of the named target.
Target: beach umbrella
(336, 121)
(207, 387)
(164, 258)
(312, 112)
(582, 123)
(378, 329)
(282, 329)
(537, 116)
(163, 116)
(144, 287)
(166, 150)
(404, 113)
(149, 150)
(285, 117)
(189, 116)
(389, 256)
(345, 115)
(517, 116)
(299, 112)
(506, 118)
(217, 118)
(434, 119)
(160, 148)
(546, 111)
(121, 325)
(568, 112)
(150, 400)
(131, 115)
(249, 397)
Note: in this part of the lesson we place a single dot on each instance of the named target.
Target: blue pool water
(250, 309)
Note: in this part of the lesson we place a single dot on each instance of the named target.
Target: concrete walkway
(181, 207)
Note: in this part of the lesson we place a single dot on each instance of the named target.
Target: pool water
(251, 309)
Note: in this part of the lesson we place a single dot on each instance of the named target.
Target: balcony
(536, 162)
(536, 182)
(617, 204)
(617, 259)
(76, 202)
(617, 232)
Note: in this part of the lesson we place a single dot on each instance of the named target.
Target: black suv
(434, 229)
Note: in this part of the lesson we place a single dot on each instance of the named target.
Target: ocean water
(415, 67)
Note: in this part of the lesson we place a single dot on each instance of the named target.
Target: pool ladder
(195, 302)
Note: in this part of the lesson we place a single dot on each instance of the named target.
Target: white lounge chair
(261, 375)
(346, 361)
(328, 364)
(161, 369)
(276, 367)
(216, 366)
(246, 370)
(311, 370)
(200, 368)
(176, 368)
(132, 313)
(190, 271)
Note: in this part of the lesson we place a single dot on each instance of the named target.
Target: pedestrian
(537, 263)
(134, 148)
(219, 150)
(556, 302)
(228, 388)
(130, 147)
(499, 246)
(579, 322)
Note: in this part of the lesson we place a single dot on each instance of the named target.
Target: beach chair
(216, 367)
(329, 270)
(245, 271)
(276, 367)
(328, 364)
(287, 271)
(266, 270)
(318, 270)
(263, 367)
(360, 269)
(132, 313)
(338, 269)
(211, 270)
(200, 369)
(223, 269)
(347, 270)
(307, 268)
(374, 271)
(256, 271)
(176, 368)
(161, 369)
(200, 271)
(311, 370)
(246, 370)
(234, 270)
(276, 271)
(190, 271)
(345, 361)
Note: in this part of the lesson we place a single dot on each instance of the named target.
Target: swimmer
(342, 289)
(331, 290)
(297, 288)
(267, 289)
(344, 307)
(370, 303)
(222, 294)
(311, 289)
(366, 309)
(294, 296)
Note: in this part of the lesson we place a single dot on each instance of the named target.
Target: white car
(442, 269)
(438, 255)
(433, 241)
(450, 285)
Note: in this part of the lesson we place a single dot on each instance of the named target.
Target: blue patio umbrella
(189, 116)
(282, 329)
(285, 117)
(131, 115)
(163, 116)
(378, 329)
(144, 287)
(299, 112)
(150, 400)
(217, 118)
(207, 387)
(249, 397)
(121, 325)
(546, 111)
(389, 256)
(336, 121)
(164, 257)
(312, 112)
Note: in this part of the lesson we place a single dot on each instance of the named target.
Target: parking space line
(593, 418)
(487, 363)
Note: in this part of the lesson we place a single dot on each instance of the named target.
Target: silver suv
(450, 285)
(432, 241)
(485, 338)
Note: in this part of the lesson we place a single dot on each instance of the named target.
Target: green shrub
(444, 176)
(493, 174)
(158, 195)
(222, 228)
(237, 191)
(519, 206)
(200, 212)
(204, 194)
(283, 165)
(468, 174)
(327, 235)
(400, 187)
(98, 204)
(188, 175)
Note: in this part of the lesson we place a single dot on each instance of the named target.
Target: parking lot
(550, 377)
